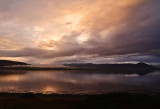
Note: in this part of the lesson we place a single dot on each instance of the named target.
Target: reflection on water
(74, 82)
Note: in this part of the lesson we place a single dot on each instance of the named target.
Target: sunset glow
(53, 32)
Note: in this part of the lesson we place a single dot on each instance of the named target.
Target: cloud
(78, 30)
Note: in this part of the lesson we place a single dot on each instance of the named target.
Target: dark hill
(11, 63)
(115, 67)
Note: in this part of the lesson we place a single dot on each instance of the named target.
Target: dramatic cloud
(60, 31)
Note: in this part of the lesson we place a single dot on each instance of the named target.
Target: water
(77, 82)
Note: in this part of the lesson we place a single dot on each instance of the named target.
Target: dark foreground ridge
(109, 101)
(11, 63)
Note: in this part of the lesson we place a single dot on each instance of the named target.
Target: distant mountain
(11, 63)
(114, 67)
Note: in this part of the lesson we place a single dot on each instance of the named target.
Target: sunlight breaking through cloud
(55, 31)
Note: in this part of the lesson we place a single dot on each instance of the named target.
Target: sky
(80, 31)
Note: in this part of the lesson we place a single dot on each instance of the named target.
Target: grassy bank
(109, 101)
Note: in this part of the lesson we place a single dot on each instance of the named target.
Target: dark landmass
(112, 66)
(54, 101)
(140, 68)
(115, 67)
(11, 63)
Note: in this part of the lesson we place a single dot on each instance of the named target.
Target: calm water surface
(77, 82)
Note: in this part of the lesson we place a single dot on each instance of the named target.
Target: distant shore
(13, 65)
(105, 67)
(140, 69)
(39, 68)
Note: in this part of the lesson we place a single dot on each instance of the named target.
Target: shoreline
(70, 101)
